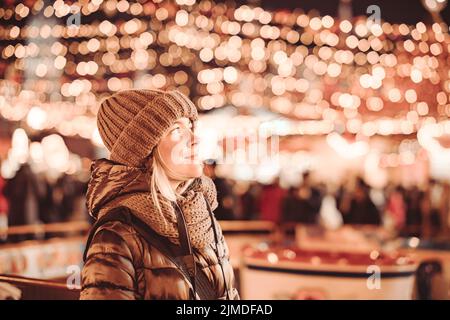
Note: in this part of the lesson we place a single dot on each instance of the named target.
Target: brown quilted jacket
(120, 264)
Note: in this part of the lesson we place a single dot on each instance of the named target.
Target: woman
(154, 174)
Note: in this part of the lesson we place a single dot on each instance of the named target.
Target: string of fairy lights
(326, 75)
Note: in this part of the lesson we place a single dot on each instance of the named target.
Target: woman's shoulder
(115, 220)
(115, 236)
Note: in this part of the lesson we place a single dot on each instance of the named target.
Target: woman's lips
(193, 153)
(192, 156)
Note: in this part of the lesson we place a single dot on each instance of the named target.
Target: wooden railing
(60, 227)
(37, 289)
(83, 227)
(246, 226)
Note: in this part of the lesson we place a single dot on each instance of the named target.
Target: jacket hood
(110, 181)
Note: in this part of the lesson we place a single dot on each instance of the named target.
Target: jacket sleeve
(108, 273)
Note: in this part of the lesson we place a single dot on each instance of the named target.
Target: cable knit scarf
(129, 187)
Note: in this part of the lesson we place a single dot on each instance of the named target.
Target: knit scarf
(140, 201)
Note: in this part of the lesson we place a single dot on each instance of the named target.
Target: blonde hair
(159, 181)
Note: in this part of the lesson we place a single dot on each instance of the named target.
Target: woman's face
(178, 150)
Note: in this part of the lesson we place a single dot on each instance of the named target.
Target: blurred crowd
(30, 198)
(410, 211)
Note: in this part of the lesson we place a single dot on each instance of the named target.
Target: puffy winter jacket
(121, 264)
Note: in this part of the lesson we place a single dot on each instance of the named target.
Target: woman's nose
(195, 139)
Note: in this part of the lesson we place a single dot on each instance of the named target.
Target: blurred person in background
(249, 201)
(310, 199)
(302, 204)
(358, 208)
(68, 191)
(396, 207)
(47, 208)
(445, 210)
(271, 200)
(330, 217)
(226, 198)
(436, 199)
(154, 179)
(414, 200)
(3, 211)
(24, 193)
(290, 212)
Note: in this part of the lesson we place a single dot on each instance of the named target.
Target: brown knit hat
(131, 122)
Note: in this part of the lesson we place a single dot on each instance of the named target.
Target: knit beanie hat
(131, 122)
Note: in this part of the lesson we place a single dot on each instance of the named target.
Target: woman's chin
(194, 170)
